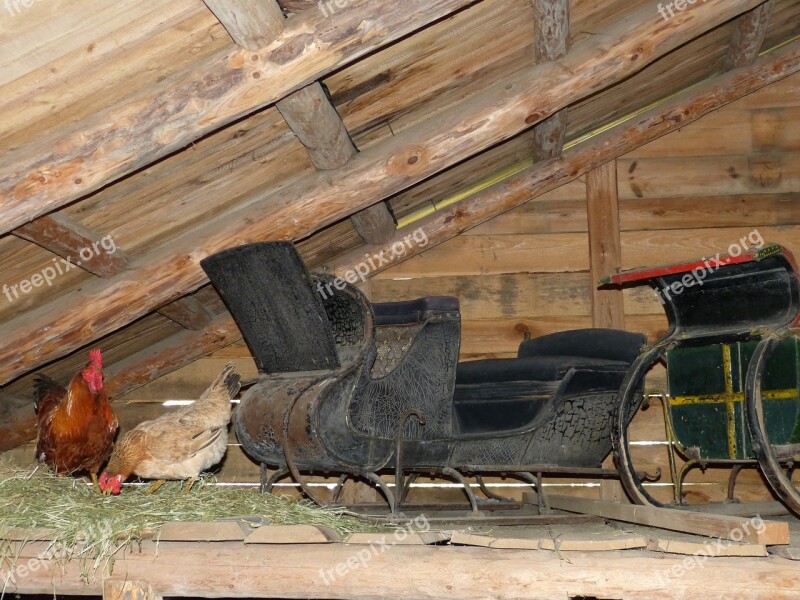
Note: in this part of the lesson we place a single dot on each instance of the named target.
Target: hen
(178, 445)
(76, 424)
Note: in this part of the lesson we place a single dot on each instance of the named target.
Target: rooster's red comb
(96, 358)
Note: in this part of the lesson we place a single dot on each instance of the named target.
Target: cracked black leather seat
(344, 383)
(505, 394)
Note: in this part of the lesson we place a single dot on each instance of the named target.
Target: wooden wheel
(780, 483)
(629, 402)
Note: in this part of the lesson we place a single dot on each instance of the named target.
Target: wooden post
(605, 255)
(605, 247)
(252, 24)
(375, 224)
(748, 36)
(551, 42)
(314, 120)
(312, 117)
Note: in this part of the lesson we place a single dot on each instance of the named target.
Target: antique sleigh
(733, 368)
(354, 388)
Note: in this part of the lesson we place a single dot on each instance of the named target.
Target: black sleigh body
(351, 387)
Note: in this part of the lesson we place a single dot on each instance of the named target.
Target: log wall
(733, 174)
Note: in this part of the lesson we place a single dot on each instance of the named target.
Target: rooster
(76, 424)
(178, 445)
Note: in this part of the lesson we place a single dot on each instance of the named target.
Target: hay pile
(75, 512)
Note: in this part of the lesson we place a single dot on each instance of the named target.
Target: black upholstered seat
(507, 393)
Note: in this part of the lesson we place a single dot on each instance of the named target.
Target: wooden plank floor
(353, 571)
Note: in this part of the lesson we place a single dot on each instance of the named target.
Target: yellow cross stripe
(724, 398)
(729, 404)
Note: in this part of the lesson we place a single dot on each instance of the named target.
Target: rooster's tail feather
(42, 386)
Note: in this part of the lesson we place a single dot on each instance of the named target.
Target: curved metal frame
(630, 480)
(780, 483)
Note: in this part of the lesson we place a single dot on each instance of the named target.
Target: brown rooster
(177, 445)
(76, 425)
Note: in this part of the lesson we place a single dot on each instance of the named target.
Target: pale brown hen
(180, 444)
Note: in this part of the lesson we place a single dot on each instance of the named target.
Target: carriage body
(351, 387)
(732, 359)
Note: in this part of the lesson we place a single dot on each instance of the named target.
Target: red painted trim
(646, 273)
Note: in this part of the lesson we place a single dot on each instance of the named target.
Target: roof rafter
(56, 170)
(70, 240)
(64, 237)
(496, 114)
(613, 143)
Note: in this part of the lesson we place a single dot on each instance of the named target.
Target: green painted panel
(696, 370)
(702, 426)
(699, 401)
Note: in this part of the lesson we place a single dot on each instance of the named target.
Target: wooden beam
(73, 242)
(253, 24)
(726, 527)
(551, 42)
(182, 569)
(613, 143)
(375, 224)
(748, 36)
(605, 247)
(187, 312)
(314, 120)
(499, 112)
(312, 117)
(56, 170)
(18, 426)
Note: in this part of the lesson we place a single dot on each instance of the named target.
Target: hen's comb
(96, 358)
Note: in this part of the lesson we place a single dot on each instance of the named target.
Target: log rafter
(375, 224)
(499, 112)
(186, 346)
(613, 143)
(68, 239)
(73, 242)
(56, 170)
(312, 117)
